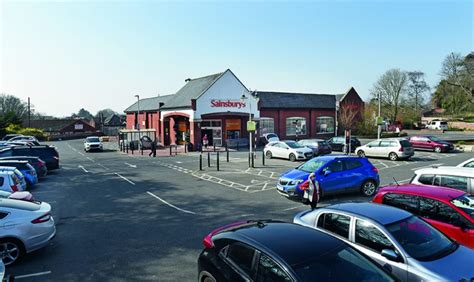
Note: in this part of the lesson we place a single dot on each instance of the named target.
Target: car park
(460, 178)
(468, 163)
(319, 146)
(335, 174)
(449, 210)
(48, 154)
(338, 143)
(430, 143)
(37, 163)
(25, 168)
(25, 227)
(280, 251)
(287, 150)
(93, 143)
(411, 248)
(11, 179)
(391, 148)
(437, 125)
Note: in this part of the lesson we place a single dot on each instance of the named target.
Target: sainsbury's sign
(227, 104)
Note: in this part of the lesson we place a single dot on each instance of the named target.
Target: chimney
(187, 80)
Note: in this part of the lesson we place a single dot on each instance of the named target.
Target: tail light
(43, 218)
(304, 185)
(207, 241)
(376, 170)
(14, 188)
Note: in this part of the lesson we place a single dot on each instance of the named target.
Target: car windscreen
(271, 136)
(293, 144)
(312, 165)
(443, 123)
(92, 140)
(323, 143)
(420, 240)
(434, 138)
(405, 143)
(465, 203)
(341, 264)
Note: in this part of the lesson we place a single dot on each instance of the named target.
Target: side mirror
(326, 172)
(389, 254)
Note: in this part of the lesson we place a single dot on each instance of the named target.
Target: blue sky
(98, 54)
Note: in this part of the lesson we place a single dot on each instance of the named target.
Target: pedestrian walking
(311, 194)
(205, 141)
(153, 149)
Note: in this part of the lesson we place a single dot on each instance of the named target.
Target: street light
(243, 99)
(138, 117)
(379, 126)
(336, 122)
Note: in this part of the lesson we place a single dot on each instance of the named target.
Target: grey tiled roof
(285, 100)
(340, 96)
(148, 104)
(191, 90)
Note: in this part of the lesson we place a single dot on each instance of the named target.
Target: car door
(371, 240)
(239, 258)
(332, 178)
(372, 149)
(281, 150)
(353, 174)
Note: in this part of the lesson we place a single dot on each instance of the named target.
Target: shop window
(266, 125)
(325, 125)
(295, 126)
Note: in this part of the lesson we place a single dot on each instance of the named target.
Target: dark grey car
(406, 245)
(319, 146)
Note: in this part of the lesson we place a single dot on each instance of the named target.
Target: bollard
(253, 155)
(142, 149)
(227, 153)
(214, 147)
(208, 159)
(263, 158)
(200, 161)
(176, 150)
(185, 147)
(249, 159)
(218, 161)
(171, 148)
(132, 148)
(127, 148)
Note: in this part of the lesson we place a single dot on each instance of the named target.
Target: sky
(67, 55)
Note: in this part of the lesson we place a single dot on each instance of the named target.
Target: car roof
(291, 242)
(447, 170)
(314, 140)
(381, 214)
(436, 192)
(334, 157)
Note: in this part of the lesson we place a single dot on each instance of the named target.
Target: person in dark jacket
(153, 149)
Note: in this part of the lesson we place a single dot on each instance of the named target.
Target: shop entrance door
(213, 129)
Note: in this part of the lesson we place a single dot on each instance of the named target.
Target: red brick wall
(353, 100)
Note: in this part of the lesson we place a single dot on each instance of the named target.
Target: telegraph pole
(29, 112)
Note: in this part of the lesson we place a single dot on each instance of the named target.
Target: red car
(431, 143)
(449, 210)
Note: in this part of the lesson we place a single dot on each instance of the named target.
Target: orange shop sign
(232, 124)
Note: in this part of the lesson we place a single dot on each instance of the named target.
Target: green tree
(83, 113)
(12, 109)
(391, 89)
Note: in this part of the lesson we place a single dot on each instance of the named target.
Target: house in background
(64, 128)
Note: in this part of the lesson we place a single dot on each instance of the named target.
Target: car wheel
(368, 188)
(268, 154)
(292, 157)
(437, 149)
(361, 154)
(393, 156)
(10, 251)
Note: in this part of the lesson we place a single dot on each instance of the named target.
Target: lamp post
(244, 98)
(138, 117)
(379, 126)
(336, 121)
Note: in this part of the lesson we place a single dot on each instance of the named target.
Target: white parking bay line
(171, 205)
(83, 168)
(32, 275)
(124, 178)
(415, 168)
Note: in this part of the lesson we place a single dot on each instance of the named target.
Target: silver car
(391, 148)
(24, 227)
(402, 243)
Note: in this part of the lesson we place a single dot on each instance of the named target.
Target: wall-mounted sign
(78, 126)
(217, 103)
(232, 124)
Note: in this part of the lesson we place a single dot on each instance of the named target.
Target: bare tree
(458, 72)
(391, 88)
(347, 115)
(417, 86)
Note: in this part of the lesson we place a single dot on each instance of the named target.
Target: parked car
(280, 251)
(23, 195)
(287, 150)
(451, 211)
(411, 248)
(337, 143)
(22, 143)
(437, 125)
(469, 163)
(93, 143)
(431, 143)
(460, 178)
(11, 179)
(267, 138)
(335, 174)
(10, 136)
(319, 146)
(25, 227)
(391, 148)
(47, 153)
(37, 163)
(25, 168)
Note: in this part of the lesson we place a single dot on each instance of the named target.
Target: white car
(469, 163)
(391, 148)
(461, 178)
(437, 125)
(287, 150)
(93, 143)
(24, 227)
(11, 180)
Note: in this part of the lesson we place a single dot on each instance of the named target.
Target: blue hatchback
(335, 174)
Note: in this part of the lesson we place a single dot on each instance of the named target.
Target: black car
(47, 153)
(337, 143)
(37, 163)
(279, 251)
(319, 146)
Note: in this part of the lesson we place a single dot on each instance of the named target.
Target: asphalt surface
(123, 217)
